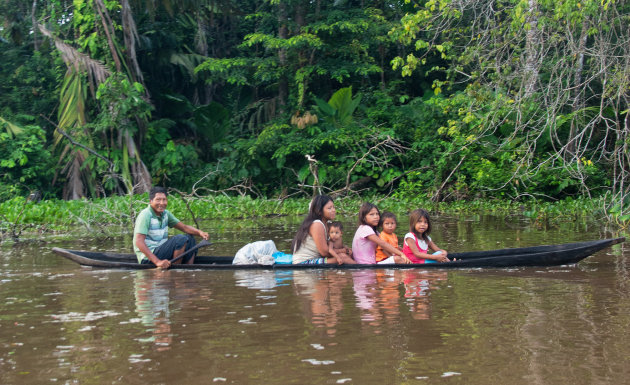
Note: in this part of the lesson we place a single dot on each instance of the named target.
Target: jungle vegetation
(442, 99)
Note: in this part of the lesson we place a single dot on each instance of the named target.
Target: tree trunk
(108, 26)
(532, 50)
(139, 173)
(300, 20)
(300, 15)
(201, 45)
(34, 28)
(381, 51)
(283, 83)
(130, 33)
(578, 89)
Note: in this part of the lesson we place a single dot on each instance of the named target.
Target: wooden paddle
(197, 246)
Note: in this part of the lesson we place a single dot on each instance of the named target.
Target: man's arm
(142, 246)
(191, 230)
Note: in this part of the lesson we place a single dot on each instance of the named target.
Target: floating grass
(120, 211)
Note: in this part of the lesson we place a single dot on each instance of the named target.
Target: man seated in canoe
(150, 235)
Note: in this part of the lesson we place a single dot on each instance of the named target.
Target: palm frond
(78, 60)
(72, 102)
(74, 187)
(131, 36)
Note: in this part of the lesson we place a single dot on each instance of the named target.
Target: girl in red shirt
(417, 241)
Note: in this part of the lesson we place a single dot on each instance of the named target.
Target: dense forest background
(447, 99)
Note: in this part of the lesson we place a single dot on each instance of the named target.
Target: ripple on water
(80, 317)
(137, 358)
(55, 276)
(314, 361)
(131, 321)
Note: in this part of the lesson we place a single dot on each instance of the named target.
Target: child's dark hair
(364, 210)
(386, 215)
(414, 217)
(336, 224)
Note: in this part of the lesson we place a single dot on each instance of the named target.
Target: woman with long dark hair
(310, 244)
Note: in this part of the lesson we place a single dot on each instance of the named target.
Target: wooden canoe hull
(552, 255)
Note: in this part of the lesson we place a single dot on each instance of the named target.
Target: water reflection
(379, 295)
(155, 293)
(622, 267)
(258, 279)
(321, 295)
(418, 286)
(152, 306)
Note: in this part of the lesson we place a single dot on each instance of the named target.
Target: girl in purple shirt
(366, 239)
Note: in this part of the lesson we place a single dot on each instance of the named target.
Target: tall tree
(543, 68)
(83, 72)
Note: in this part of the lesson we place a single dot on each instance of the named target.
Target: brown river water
(64, 324)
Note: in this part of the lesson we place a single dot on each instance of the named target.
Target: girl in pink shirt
(366, 239)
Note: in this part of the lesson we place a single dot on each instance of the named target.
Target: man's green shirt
(154, 227)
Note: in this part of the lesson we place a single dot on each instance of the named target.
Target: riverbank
(19, 217)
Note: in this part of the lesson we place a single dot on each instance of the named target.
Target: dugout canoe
(551, 255)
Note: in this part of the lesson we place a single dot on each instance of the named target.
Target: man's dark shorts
(166, 250)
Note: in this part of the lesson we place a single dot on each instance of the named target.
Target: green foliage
(208, 123)
(340, 107)
(27, 82)
(232, 71)
(450, 135)
(60, 216)
(515, 125)
(215, 90)
(73, 92)
(25, 163)
(122, 109)
(172, 164)
(212, 122)
(12, 129)
(618, 212)
(122, 105)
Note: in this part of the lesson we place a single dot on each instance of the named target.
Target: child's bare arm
(341, 249)
(398, 255)
(332, 251)
(419, 254)
(343, 255)
(435, 248)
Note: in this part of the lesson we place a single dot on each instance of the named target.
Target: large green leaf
(325, 108)
(12, 128)
(340, 107)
